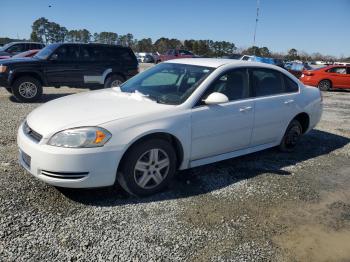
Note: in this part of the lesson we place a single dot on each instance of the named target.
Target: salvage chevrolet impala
(176, 115)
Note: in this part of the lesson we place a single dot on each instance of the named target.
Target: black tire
(291, 137)
(9, 89)
(34, 85)
(324, 85)
(111, 80)
(129, 176)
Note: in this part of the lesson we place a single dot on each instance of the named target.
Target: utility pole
(256, 21)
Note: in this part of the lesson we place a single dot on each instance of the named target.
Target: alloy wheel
(116, 82)
(151, 168)
(27, 89)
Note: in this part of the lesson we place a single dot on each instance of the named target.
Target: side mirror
(54, 57)
(215, 99)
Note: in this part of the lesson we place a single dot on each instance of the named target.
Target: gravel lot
(267, 206)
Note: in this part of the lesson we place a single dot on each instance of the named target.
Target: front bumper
(4, 80)
(68, 167)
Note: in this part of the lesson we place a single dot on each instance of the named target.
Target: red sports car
(29, 53)
(326, 78)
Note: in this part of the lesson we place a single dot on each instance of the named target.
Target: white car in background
(177, 115)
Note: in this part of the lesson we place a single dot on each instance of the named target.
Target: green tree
(144, 45)
(83, 36)
(253, 50)
(293, 54)
(47, 32)
(106, 37)
(265, 52)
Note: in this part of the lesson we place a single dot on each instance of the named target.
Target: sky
(307, 25)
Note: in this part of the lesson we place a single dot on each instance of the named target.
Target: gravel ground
(267, 206)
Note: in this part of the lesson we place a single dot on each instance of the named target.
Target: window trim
(198, 102)
(282, 75)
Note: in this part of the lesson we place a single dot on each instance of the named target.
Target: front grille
(31, 133)
(64, 175)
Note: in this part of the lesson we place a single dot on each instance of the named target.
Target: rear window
(107, 53)
(290, 85)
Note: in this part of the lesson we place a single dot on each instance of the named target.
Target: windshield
(168, 83)
(2, 48)
(46, 51)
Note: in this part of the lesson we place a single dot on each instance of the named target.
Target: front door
(223, 128)
(339, 77)
(63, 67)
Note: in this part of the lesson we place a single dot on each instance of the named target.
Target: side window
(124, 54)
(17, 48)
(67, 53)
(348, 70)
(184, 52)
(36, 46)
(289, 85)
(233, 84)
(266, 82)
(85, 53)
(337, 70)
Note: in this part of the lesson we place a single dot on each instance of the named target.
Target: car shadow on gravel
(208, 178)
(45, 98)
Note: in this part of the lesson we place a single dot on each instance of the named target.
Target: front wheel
(148, 167)
(325, 85)
(291, 137)
(27, 89)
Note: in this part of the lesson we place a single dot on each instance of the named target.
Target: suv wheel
(27, 89)
(113, 81)
(325, 85)
(148, 167)
(291, 137)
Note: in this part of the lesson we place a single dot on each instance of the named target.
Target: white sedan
(175, 115)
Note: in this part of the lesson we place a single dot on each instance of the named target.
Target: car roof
(26, 42)
(217, 62)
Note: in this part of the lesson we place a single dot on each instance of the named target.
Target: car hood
(19, 60)
(89, 109)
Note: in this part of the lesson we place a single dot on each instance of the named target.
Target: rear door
(63, 66)
(275, 104)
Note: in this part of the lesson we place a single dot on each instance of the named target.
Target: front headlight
(3, 68)
(80, 137)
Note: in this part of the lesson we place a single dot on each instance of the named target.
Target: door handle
(244, 109)
(287, 102)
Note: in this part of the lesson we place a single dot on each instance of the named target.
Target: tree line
(47, 32)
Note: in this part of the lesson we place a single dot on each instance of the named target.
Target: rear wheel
(291, 137)
(148, 167)
(113, 81)
(325, 85)
(27, 89)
